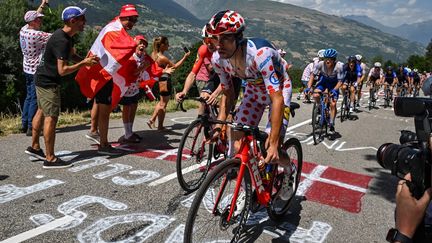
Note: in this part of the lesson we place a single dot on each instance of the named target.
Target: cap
(128, 10)
(72, 12)
(32, 15)
(140, 37)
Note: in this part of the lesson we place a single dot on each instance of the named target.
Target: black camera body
(413, 154)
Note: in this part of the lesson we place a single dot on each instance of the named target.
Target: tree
(11, 75)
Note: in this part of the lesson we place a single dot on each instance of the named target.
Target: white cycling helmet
(358, 57)
(415, 70)
(320, 53)
(377, 64)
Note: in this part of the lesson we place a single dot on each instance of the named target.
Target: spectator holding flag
(54, 65)
(108, 81)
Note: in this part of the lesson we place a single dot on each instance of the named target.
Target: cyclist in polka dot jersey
(259, 63)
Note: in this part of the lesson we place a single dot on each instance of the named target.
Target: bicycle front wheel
(193, 157)
(207, 217)
(282, 200)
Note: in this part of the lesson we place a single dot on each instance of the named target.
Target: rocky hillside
(303, 31)
(299, 30)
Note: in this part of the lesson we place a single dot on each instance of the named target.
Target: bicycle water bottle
(268, 172)
(149, 93)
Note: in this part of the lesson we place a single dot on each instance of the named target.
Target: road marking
(299, 125)
(174, 175)
(315, 175)
(39, 230)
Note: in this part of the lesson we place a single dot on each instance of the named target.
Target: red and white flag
(114, 46)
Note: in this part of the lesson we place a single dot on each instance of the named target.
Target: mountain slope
(304, 31)
(418, 32)
(181, 27)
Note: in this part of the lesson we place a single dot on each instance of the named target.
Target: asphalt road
(345, 195)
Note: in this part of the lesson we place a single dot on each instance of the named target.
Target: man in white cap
(32, 42)
(55, 64)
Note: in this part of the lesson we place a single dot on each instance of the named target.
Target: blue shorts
(322, 85)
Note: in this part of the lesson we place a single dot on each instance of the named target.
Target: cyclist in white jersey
(268, 84)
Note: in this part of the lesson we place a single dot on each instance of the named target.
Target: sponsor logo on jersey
(274, 78)
(264, 62)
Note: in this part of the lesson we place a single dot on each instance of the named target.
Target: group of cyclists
(226, 59)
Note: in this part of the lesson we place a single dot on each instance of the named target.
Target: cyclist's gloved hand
(334, 92)
(307, 90)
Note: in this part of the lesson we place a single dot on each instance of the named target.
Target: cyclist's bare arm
(276, 121)
(311, 79)
(188, 84)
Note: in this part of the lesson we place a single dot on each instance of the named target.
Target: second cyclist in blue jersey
(353, 74)
(331, 77)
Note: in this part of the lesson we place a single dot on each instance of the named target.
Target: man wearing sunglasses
(128, 17)
(258, 62)
(331, 76)
(206, 80)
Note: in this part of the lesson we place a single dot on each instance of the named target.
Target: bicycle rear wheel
(193, 157)
(207, 217)
(317, 127)
(278, 206)
(371, 98)
(344, 109)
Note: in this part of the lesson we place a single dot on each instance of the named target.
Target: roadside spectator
(127, 18)
(160, 45)
(130, 100)
(59, 52)
(32, 42)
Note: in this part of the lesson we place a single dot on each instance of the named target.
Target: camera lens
(387, 155)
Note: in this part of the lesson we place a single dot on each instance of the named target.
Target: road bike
(321, 117)
(220, 209)
(195, 156)
(346, 104)
(388, 96)
(373, 96)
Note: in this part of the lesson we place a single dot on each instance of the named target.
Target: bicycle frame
(324, 103)
(249, 163)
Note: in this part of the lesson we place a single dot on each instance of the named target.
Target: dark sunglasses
(133, 19)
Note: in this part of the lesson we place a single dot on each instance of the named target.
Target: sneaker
(94, 137)
(332, 129)
(351, 109)
(298, 97)
(240, 203)
(57, 164)
(109, 150)
(35, 153)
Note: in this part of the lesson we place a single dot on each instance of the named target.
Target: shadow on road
(281, 231)
(383, 184)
